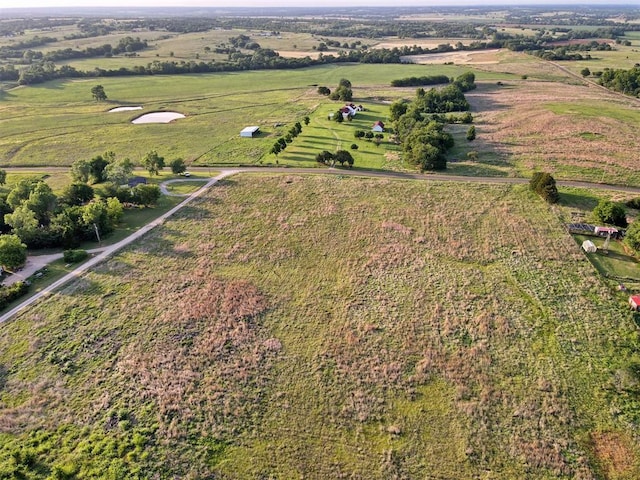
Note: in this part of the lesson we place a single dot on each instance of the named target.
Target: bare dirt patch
(464, 57)
(298, 54)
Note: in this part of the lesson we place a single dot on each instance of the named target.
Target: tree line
(623, 81)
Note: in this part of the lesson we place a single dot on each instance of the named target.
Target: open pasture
(573, 131)
(529, 115)
(58, 122)
(326, 327)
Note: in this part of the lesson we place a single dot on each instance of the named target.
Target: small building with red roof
(634, 302)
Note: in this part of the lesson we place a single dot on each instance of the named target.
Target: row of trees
(106, 168)
(282, 142)
(420, 81)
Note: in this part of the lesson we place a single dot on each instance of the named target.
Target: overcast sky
(290, 3)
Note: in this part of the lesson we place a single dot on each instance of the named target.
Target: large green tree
(98, 93)
(342, 157)
(21, 191)
(146, 195)
(42, 201)
(610, 212)
(23, 222)
(119, 172)
(13, 253)
(76, 194)
(153, 162)
(178, 166)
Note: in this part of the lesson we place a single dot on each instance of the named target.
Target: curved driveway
(110, 250)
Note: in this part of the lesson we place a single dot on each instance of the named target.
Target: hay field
(317, 327)
(573, 131)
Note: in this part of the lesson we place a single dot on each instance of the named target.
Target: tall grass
(328, 327)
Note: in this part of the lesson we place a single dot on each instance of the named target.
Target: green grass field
(327, 327)
(58, 122)
(616, 263)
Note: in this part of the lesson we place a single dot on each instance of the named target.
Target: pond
(158, 117)
(124, 109)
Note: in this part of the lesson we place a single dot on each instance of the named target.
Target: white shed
(249, 131)
(589, 246)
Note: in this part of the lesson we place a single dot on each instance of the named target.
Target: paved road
(106, 252)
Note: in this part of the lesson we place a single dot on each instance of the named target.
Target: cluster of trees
(544, 185)
(343, 92)
(282, 142)
(341, 156)
(40, 218)
(623, 81)
(243, 41)
(420, 81)
(419, 125)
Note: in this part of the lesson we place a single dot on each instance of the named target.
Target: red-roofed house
(606, 231)
(634, 302)
(378, 127)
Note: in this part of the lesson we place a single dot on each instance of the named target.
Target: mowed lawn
(325, 327)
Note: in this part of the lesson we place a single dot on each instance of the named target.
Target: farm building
(589, 246)
(133, 181)
(634, 302)
(249, 132)
(378, 126)
(606, 231)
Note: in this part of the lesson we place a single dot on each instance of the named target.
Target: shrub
(610, 212)
(632, 237)
(545, 185)
(13, 253)
(354, 146)
(74, 256)
(471, 133)
(11, 293)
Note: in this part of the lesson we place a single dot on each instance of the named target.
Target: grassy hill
(327, 327)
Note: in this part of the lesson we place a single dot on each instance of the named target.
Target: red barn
(634, 302)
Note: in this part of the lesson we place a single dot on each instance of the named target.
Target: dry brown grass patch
(615, 455)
